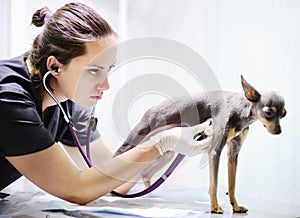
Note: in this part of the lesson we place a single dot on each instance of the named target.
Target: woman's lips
(96, 97)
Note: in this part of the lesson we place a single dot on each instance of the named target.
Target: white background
(257, 38)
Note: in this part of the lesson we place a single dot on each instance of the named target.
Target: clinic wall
(258, 39)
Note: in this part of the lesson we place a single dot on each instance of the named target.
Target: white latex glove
(182, 139)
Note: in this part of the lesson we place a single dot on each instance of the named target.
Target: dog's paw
(239, 209)
(217, 210)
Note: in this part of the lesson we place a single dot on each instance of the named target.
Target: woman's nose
(104, 85)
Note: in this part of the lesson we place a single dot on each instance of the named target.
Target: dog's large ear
(250, 92)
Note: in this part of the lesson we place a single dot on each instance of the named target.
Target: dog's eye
(268, 112)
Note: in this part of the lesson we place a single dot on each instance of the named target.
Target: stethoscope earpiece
(55, 69)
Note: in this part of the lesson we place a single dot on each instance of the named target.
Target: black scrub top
(22, 128)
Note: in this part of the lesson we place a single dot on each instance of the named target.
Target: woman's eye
(93, 71)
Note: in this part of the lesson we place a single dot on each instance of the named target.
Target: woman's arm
(54, 172)
(100, 152)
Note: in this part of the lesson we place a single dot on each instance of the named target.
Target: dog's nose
(277, 130)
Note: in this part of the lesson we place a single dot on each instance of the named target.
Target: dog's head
(269, 107)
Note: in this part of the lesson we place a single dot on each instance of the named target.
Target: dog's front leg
(234, 147)
(214, 159)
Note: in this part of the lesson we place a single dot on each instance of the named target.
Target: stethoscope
(86, 155)
(91, 124)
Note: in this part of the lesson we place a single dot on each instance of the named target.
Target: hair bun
(40, 17)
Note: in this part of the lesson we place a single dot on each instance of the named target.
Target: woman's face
(84, 79)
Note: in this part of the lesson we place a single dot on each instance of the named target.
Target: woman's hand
(182, 139)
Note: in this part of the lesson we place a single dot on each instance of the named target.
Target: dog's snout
(277, 130)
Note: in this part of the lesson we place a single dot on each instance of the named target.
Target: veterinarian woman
(63, 56)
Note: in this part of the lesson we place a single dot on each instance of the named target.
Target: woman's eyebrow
(101, 67)
(96, 66)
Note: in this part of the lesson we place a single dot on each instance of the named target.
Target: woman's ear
(54, 64)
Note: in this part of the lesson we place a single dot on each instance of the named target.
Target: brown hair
(65, 33)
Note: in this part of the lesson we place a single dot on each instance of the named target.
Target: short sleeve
(80, 117)
(22, 130)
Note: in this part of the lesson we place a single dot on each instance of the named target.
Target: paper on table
(149, 212)
(29, 203)
(141, 207)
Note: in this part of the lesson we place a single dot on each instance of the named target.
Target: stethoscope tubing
(86, 156)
